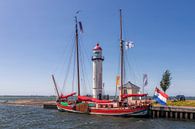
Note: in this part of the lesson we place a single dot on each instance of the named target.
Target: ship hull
(138, 111)
(120, 112)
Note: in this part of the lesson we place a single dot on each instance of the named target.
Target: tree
(166, 80)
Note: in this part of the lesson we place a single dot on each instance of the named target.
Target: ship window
(100, 106)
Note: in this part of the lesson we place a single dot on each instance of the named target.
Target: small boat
(96, 105)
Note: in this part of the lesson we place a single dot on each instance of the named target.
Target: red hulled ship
(123, 105)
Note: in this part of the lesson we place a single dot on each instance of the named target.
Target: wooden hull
(138, 111)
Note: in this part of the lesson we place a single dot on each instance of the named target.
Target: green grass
(187, 103)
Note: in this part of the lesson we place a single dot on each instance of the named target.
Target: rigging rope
(85, 75)
(58, 68)
(84, 71)
(74, 65)
(130, 68)
(69, 65)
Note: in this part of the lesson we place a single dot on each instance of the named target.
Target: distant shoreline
(28, 102)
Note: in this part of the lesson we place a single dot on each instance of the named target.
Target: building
(130, 88)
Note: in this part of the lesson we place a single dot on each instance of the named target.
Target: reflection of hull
(122, 111)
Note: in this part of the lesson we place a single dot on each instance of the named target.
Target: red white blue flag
(160, 97)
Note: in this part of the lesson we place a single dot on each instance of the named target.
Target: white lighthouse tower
(97, 59)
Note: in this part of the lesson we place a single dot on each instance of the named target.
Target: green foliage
(187, 103)
(166, 80)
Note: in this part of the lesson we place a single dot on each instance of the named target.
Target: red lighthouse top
(97, 47)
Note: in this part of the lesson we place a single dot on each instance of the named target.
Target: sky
(36, 35)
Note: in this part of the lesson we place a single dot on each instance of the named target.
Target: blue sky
(35, 37)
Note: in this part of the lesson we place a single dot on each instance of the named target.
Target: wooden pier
(49, 106)
(175, 112)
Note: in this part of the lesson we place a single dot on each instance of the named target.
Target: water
(35, 117)
(23, 117)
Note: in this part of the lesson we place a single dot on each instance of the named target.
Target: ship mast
(121, 57)
(77, 55)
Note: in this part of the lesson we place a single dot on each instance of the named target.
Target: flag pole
(143, 83)
(143, 88)
(116, 93)
(117, 83)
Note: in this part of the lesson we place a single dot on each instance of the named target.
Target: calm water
(23, 117)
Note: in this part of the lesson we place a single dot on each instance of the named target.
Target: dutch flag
(160, 97)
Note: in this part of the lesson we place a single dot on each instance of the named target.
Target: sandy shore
(28, 102)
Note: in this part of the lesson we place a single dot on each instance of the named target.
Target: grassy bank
(187, 103)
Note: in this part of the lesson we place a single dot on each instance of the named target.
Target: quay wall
(175, 112)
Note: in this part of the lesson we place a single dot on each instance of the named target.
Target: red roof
(97, 47)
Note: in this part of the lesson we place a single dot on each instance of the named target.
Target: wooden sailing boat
(90, 105)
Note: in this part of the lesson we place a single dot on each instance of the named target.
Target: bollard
(171, 114)
(158, 114)
(181, 115)
(162, 114)
(153, 114)
(186, 115)
(176, 115)
(191, 116)
(166, 114)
